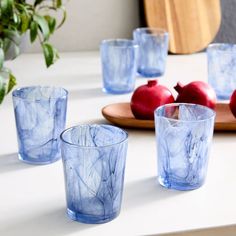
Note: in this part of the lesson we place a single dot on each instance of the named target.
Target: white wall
(90, 21)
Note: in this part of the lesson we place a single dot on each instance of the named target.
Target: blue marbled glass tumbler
(153, 49)
(40, 114)
(222, 69)
(119, 65)
(184, 134)
(94, 159)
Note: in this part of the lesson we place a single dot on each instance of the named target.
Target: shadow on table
(10, 162)
(224, 135)
(53, 223)
(145, 191)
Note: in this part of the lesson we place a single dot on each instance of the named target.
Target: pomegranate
(197, 92)
(147, 98)
(232, 103)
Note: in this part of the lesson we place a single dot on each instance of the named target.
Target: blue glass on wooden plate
(94, 159)
(153, 50)
(222, 69)
(40, 114)
(183, 136)
(119, 65)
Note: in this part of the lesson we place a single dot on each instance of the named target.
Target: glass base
(90, 219)
(149, 74)
(110, 91)
(34, 161)
(223, 97)
(177, 185)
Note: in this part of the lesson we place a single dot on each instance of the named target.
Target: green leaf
(56, 54)
(33, 31)
(16, 18)
(63, 17)
(7, 8)
(24, 22)
(51, 23)
(1, 43)
(11, 83)
(16, 50)
(37, 2)
(13, 35)
(1, 58)
(43, 25)
(59, 3)
(2, 94)
(6, 44)
(48, 54)
(10, 45)
(2, 89)
(7, 82)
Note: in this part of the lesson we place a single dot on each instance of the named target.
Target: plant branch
(16, 18)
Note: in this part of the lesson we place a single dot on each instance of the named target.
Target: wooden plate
(120, 114)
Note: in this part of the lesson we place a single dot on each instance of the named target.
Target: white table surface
(32, 198)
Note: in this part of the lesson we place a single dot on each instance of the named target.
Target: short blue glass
(119, 65)
(153, 49)
(40, 114)
(222, 69)
(94, 159)
(184, 135)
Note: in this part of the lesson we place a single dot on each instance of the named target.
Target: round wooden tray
(120, 114)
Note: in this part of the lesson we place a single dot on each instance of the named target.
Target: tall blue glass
(94, 165)
(40, 114)
(119, 65)
(222, 69)
(153, 49)
(184, 134)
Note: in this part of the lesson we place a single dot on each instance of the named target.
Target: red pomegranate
(197, 92)
(147, 98)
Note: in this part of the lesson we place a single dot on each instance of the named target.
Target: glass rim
(187, 104)
(217, 46)
(159, 31)
(92, 147)
(109, 41)
(15, 95)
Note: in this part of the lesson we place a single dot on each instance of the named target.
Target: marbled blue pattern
(222, 69)
(119, 65)
(184, 134)
(40, 114)
(94, 159)
(153, 49)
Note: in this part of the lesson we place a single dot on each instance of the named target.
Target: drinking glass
(94, 165)
(222, 69)
(40, 114)
(153, 49)
(119, 65)
(184, 135)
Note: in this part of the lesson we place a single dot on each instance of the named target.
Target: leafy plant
(7, 79)
(18, 17)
